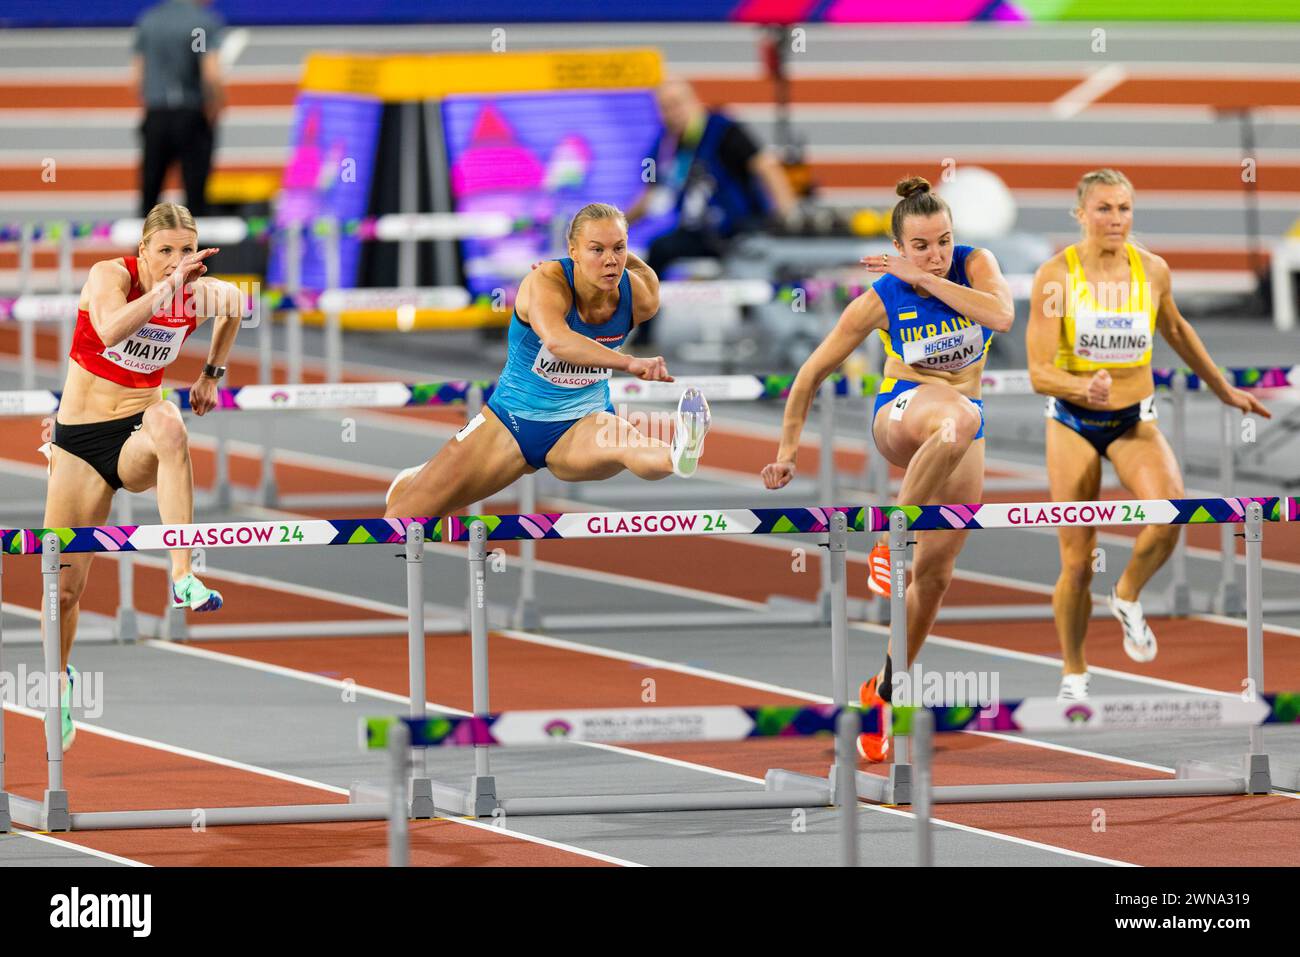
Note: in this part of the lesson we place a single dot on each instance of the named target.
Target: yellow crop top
(1113, 330)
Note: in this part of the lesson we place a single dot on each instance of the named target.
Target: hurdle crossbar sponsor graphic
(736, 521)
(738, 723)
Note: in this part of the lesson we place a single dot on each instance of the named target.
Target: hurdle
(401, 736)
(481, 797)
(54, 812)
(1252, 776)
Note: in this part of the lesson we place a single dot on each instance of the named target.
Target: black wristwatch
(213, 372)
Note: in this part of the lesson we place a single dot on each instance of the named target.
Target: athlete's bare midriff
(89, 398)
(1128, 386)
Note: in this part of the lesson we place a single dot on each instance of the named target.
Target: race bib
(1112, 338)
(946, 351)
(151, 348)
(566, 375)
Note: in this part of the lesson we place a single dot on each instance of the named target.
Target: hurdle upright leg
(1258, 778)
(900, 772)
(399, 837)
(54, 809)
(847, 726)
(483, 796)
(1228, 600)
(420, 787)
(1180, 601)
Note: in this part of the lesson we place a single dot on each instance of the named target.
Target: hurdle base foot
(1252, 770)
(527, 616)
(420, 799)
(127, 626)
(54, 812)
(1228, 601)
(482, 797)
(6, 823)
(1179, 597)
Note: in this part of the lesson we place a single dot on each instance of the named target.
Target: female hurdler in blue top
(936, 307)
(551, 407)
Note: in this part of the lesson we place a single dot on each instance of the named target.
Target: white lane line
(545, 842)
(70, 845)
(1076, 99)
(9, 608)
(281, 776)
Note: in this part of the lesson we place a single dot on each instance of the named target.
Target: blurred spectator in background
(710, 170)
(176, 69)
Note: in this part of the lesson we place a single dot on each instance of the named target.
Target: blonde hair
(919, 199)
(590, 213)
(167, 216)
(1100, 177)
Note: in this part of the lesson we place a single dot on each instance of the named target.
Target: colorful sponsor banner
(344, 395)
(1130, 712)
(757, 521)
(639, 725)
(736, 723)
(132, 538)
(1177, 511)
(718, 388)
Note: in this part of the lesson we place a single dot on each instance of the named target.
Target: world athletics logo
(1078, 714)
(559, 728)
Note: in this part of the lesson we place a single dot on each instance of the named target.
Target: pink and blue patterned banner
(1175, 511)
(748, 521)
(738, 723)
(134, 538)
(552, 525)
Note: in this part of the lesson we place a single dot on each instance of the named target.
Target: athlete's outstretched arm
(645, 289)
(860, 318)
(1182, 338)
(223, 303)
(987, 300)
(548, 303)
(1046, 313)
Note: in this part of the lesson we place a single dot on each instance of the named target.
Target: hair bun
(912, 185)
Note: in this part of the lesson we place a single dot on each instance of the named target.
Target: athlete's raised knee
(957, 422)
(167, 430)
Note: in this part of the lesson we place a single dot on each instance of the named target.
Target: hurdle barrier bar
(54, 813)
(1192, 778)
(398, 736)
(403, 736)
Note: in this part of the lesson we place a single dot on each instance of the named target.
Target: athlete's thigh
(900, 430)
(1145, 464)
(596, 448)
(1073, 475)
(137, 464)
(77, 496)
(481, 460)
